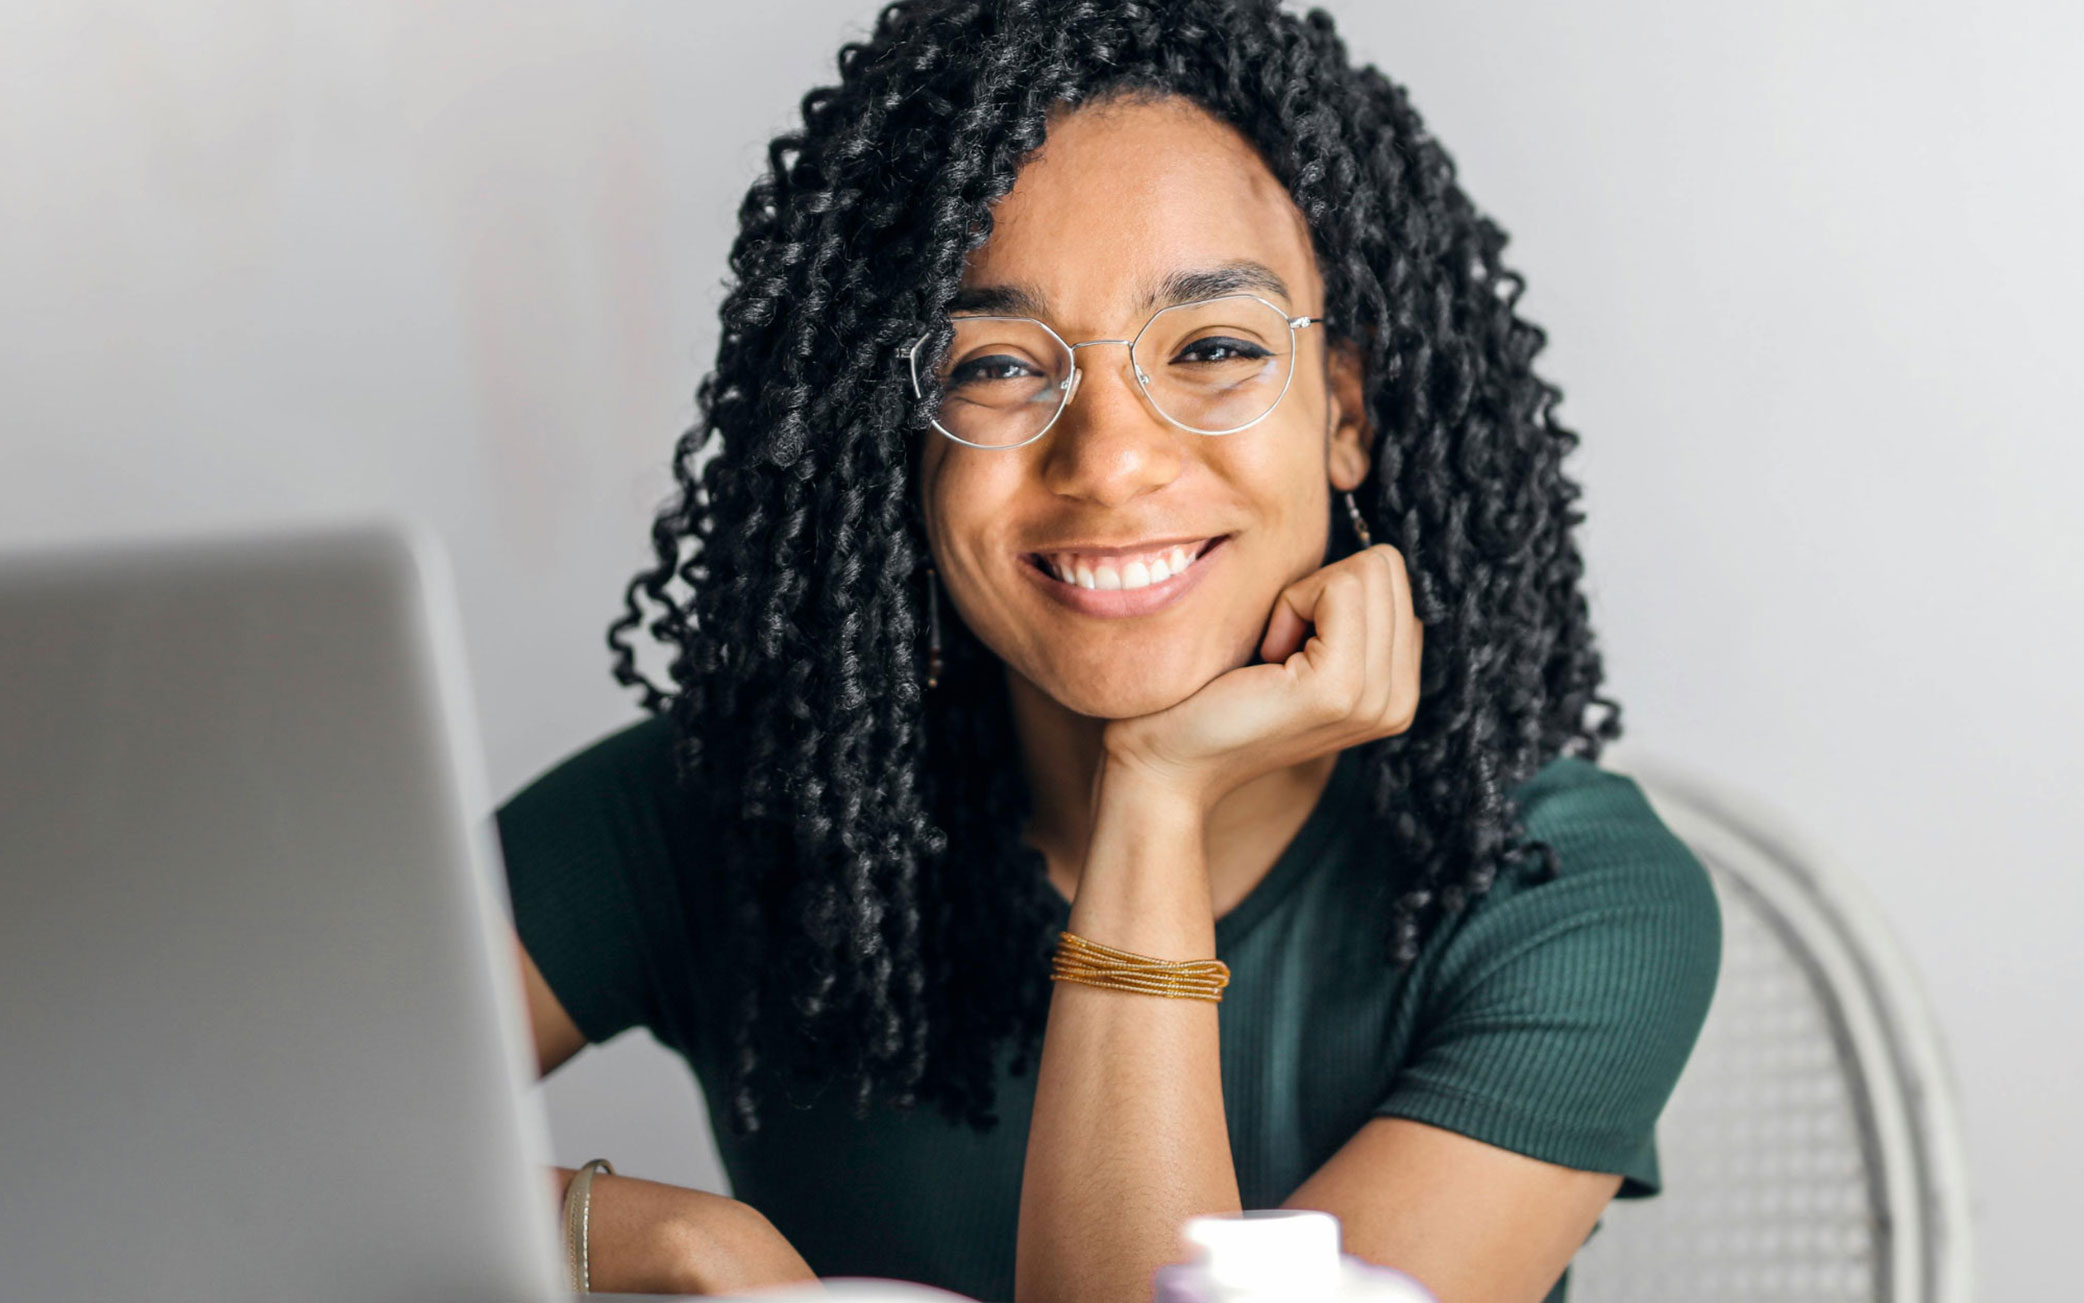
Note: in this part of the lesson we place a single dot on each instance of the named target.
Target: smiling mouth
(1124, 571)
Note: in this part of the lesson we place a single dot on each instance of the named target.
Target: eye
(996, 366)
(1222, 348)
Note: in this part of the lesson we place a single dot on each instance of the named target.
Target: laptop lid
(260, 1036)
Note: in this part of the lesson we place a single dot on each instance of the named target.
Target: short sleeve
(1558, 1014)
(587, 848)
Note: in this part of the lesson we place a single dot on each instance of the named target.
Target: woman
(1122, 505)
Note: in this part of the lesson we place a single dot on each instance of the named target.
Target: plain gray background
(1809, 272)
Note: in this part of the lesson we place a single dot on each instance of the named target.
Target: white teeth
(1114, 573)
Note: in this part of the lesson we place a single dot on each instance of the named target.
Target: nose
(1109, 446)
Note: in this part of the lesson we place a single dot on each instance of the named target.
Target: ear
(1351, 450)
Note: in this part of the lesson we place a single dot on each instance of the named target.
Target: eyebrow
(1018, 300)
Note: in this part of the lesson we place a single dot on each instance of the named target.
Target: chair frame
(1877, 1011)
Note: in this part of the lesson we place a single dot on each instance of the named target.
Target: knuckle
(1400, 720)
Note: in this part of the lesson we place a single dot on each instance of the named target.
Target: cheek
(956, 496)
(962, 498)
(969, 503)
(1283, 476)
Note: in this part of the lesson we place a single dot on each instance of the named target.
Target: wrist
(719, 1244)
(1147, 822)
(694, 1246)
(1144, 883)
(1136, 787)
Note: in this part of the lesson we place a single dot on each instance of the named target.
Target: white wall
(1808, 270)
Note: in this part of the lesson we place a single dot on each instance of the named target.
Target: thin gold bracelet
(578, 1205)
(1092, 964)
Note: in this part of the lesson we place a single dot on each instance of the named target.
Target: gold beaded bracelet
(1092, 964)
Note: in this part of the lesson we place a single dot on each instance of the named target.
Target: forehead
(1126, 205)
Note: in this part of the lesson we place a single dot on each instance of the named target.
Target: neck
(1063, 757)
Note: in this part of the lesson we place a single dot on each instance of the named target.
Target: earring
(933, 631)
(1359, 526)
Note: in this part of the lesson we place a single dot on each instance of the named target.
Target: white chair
(1811, 1152)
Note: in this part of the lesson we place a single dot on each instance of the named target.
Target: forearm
(1127, 1137)
(647, 1237)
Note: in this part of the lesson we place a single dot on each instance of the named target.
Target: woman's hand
(1353, 680)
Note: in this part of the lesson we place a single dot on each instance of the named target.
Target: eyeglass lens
(1211, 366)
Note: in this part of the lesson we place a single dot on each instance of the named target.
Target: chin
(1125, 696)
(1121, 704)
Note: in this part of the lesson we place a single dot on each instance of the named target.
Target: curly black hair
(891, 929)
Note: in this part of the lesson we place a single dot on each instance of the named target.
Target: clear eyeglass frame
(1068, 386)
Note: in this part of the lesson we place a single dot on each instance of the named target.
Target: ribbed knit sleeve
(588, 850)
(1559, 1013)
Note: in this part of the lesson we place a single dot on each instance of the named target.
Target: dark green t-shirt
(1550, 1018)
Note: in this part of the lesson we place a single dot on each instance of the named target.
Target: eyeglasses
(1212, 366)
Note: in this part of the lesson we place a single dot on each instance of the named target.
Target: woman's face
(1123, 199)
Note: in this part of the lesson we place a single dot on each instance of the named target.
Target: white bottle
(1278, 1255)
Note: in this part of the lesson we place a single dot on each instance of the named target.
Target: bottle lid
(1278, 1253)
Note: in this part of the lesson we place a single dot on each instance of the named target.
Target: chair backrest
(1811, 1152)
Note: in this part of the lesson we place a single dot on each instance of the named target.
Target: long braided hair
(889, 929)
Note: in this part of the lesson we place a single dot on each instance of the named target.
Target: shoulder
(611, 815)
(1629, 910)
(595, 849)
(622, 786)
(634, 758)
(1609, 842)
(1559, 1009)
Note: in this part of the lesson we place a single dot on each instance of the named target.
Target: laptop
(261, 1037)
